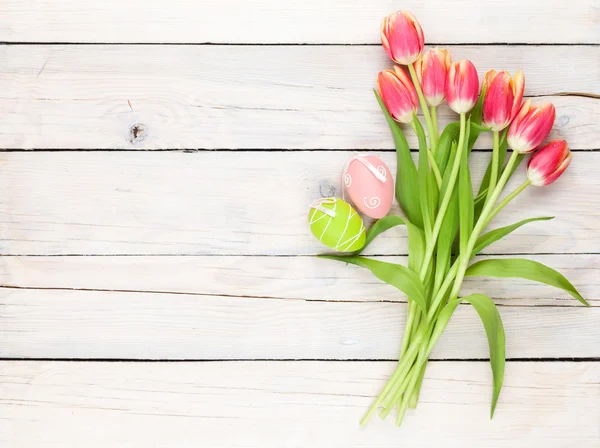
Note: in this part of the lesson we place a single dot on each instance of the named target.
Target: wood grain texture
(294, 21)
(237, 203)
(132, 325)
(291, 404)
(298, 97)
(300, 278)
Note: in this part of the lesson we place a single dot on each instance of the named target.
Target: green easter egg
(344, 231)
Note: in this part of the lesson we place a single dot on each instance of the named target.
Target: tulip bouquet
(445, 220)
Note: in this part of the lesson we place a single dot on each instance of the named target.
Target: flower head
(462, 86)
(531, 126)
(398, 94)
(548, 163)
(432, 69)
(503, 96)
(402, 37)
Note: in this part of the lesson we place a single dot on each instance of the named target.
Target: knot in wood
(326, 189)
(138, 133)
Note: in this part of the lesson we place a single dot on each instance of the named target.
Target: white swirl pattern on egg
(374, 202)
(382, 171)
(347, 180)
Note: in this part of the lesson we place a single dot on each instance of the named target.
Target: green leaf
(416, 238)
(480, 128)
(448, 170)
(396, 275)
(492, 322)
(522, 268)
(494, 235)
(465, 200)
(475, 121)
(449, 135)
(485, 181)
(477, 111)
(445, 239)
(432, 195)
(424, 174)
(480, 197)
(406, 174)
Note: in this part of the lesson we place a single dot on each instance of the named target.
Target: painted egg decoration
(368, 182)
(337, 225)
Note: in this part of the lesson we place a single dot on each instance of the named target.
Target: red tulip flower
(462, 86)
(548, 163)
(531, 126)
(503, 96)
(432, 69)
(398, 94)
(402, 37)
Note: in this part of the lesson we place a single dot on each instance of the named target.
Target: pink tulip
(462, 86)
(531, 126)
(503, 96)
(398, 94)
(432, 69)
(402, 37)
(548, 163)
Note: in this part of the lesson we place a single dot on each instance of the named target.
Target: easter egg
(369, 185)
(337, 225)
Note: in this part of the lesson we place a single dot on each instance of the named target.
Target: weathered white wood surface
(238, 203)
(208, 97)
(132, 325)
(292, 404)
(289, 278)
(294, 21)
(167, 255)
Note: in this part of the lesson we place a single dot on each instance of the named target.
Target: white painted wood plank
(292, 404)
(302, 97)
(277, 277)
(237, 203)
(303, 21)
(99, 324)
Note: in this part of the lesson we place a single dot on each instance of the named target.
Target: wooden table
(158, 284)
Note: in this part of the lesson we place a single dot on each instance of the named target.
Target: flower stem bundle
(445, 219)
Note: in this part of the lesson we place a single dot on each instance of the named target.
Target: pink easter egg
(369, 185)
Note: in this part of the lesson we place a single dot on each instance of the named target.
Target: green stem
(481, 223)
(408, 328)
(436, 170)
(414, 378)
(416, 323)
(494, 172)
(401, 370)
(433, 333)
(414, 349)
(434, 122)
(430, 156)
(446, 199)
(507, 199)
(386, 411)
(432, 136)
(414, 398)
(439, 293)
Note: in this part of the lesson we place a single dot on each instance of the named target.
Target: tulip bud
(432, 68)
(531, 126)
(503, 96)
(462, 86)
(398, 94)
(402, 37)
(487, 79)
(548, 163)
